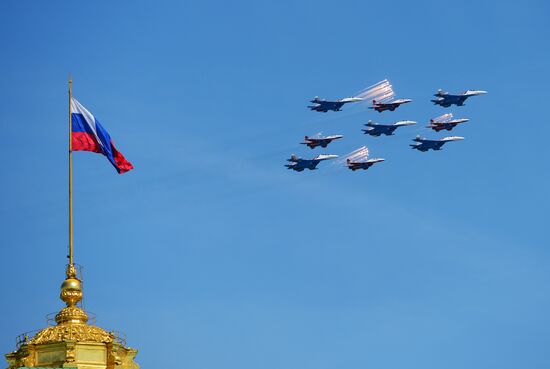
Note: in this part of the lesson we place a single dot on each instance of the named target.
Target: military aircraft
(359, 159)
(362, 164)
(445, 121)
(423, 144)
(390, 105)
(323, 105)
(446, 99)
(299, 164)
(319, 140)
(376, 129)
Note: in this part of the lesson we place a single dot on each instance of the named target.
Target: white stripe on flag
(77, 108)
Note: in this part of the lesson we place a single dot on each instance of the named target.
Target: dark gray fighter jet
(323, 105)
(446, 121)
(299, 164)
(319, 140)
(446, 99)
(390, 105)
(423, 144)
(376, 129)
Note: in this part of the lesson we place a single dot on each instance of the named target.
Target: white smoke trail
(443, 118)
(381, 91)
(361, 153)
(383, 82)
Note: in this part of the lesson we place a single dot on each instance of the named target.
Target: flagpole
(70, 256)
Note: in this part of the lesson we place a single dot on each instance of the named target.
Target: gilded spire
(71, 320)
(71, 294)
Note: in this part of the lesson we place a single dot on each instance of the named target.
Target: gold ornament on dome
(71, 314)
(72, 332)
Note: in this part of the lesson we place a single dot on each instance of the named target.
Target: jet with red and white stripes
(445, 121)
(381, 106)
(320, 140)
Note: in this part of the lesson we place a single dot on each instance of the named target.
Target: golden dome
(72, 343)
(72, 332)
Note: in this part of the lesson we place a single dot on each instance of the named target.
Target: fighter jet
(424, 144)
(323, 141)
(446, 99)
(376, 129)
(362, 164)
(299, 164)
(445, 121)
(390, 105)
(359, 159)
(323, 105)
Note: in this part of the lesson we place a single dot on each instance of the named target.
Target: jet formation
(383, 99)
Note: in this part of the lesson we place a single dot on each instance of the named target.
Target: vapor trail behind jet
(356, 155)
(381, 91)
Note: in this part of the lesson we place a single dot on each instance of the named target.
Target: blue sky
(212, 252)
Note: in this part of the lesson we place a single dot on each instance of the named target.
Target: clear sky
(210, 254)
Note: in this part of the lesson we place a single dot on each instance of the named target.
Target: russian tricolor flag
(89, 135)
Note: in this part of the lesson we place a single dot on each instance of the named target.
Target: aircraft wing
(404, 123)
(376, 160)
(350, 99)
(451, 138)
(325, 157)
(474, 92)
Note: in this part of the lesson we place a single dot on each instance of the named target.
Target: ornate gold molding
(72, 332)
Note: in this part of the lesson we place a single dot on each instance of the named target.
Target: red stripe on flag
(123, 164)
(83, 141)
